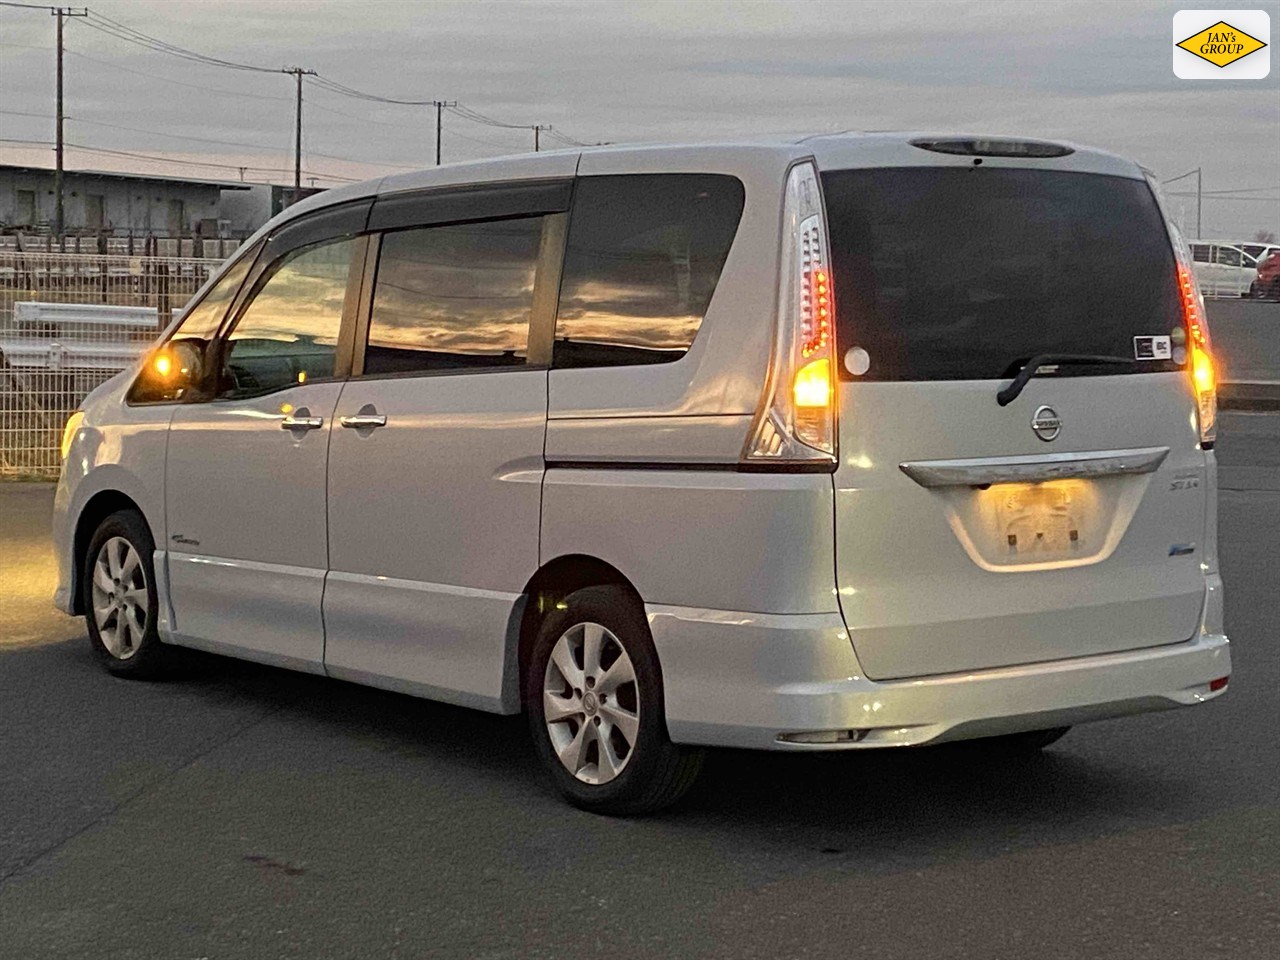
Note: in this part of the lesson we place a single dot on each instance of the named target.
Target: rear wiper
(1010, 393)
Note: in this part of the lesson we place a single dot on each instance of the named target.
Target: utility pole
(440, 105)
(537, 129)
(1199, 195)
(298, 74)
(58, 221)
(1199, 199)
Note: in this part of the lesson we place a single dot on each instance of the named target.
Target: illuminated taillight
(1204, 379)
(796, 422)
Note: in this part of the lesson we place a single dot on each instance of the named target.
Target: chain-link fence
(68, 322)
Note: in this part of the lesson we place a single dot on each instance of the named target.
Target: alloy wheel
(591, 703)
(121, 607)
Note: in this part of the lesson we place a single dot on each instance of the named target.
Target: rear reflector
(823, 736)
(969, 147)
(1219, 684)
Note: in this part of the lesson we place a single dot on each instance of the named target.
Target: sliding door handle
(364, 421)
(301, 423)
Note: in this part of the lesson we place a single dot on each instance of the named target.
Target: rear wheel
(120, 597)
(593, 688)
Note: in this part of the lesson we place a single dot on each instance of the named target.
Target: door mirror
(170, 372)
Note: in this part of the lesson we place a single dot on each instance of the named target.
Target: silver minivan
(844, 443)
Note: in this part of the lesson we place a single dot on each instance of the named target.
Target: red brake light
(816, 312)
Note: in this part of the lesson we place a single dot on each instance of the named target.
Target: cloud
(1096, 72)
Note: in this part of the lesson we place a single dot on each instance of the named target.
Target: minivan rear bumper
(748, 680)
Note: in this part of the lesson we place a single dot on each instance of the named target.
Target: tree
(1265, 236)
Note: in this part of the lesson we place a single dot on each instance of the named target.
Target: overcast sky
(1096, 73)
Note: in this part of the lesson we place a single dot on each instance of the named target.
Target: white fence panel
(69, 322)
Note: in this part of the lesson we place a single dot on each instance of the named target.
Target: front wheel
(593, 688)
(120, 600)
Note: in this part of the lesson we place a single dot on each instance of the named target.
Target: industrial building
(135, 205)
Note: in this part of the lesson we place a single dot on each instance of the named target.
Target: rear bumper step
(755, 681)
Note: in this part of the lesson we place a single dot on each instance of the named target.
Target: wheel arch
(98, 507)
(554, 581)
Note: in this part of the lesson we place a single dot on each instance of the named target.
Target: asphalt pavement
(244, 811)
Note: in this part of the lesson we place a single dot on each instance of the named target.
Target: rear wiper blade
(1010, 393)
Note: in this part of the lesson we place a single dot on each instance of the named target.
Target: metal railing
(69, 322)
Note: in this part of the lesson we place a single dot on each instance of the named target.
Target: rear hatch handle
(984, 471)
(1010, 393)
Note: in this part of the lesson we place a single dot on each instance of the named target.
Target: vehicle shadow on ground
(891, 809)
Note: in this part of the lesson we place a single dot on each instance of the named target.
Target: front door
(435, 465)
(245, 472)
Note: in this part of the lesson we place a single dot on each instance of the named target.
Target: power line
(118, 30)
(477, 117)
(170, 136)
(185, 163)
(180, 83)
(342, 88)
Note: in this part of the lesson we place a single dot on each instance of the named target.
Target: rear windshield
(967, 273)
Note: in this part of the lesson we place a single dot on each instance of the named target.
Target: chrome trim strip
(982, 471)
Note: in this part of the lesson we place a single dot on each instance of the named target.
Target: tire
(595, 702)
(119, 576)
(1026, 743)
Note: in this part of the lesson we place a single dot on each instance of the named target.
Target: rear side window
(453, 297)
(642, 259)
(967, 273)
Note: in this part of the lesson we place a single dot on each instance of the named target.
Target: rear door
(435, 466)
(1066, 523)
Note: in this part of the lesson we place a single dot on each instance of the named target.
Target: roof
(132, 177)
(833, 151)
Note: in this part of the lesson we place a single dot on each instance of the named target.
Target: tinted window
(1200, 252)
(642, 259)
(453, 297)
(967, 273)
(288, 334)
(1229, 256)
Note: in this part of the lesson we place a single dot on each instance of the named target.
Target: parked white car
(1223, 269)
(846, 443)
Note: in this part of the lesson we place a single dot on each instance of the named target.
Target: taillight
(1204, 379)
(796, 422)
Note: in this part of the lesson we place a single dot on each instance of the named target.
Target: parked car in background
(1260, 251)
(685, 446)
(1222, 269)
(1267, 284)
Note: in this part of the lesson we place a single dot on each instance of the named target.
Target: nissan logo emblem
(1046, 423)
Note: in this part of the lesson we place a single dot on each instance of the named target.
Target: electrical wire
(104, 24)
(180, 83)
(282, 171)
(170, 136)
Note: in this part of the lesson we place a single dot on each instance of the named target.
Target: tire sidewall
(623, 616)
(130, 526)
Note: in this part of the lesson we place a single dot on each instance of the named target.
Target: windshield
(966, 273)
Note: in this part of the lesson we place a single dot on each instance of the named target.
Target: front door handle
(364, 421)
(301, 423)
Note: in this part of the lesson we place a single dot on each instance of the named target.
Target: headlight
(69, 431)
